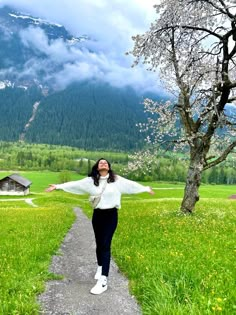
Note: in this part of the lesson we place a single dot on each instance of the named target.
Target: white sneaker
(98, 273)
(101, 286)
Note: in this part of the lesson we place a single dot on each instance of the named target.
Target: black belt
(105, 210)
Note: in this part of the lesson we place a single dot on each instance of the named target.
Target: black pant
(104, 225)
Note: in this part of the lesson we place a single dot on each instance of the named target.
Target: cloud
(109, 25)
(35, 37)
(80, 65)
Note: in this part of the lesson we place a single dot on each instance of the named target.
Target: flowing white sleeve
(83, 186)
(126, 186)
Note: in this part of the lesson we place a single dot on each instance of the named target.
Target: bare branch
(188, 27)
(225, 11)
(231, 100)
(232, 85)
(222, 157)
(233, 51)
(203, 29)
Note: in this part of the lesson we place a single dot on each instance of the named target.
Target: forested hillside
(89, 116)
(15, 110)
(85, 115)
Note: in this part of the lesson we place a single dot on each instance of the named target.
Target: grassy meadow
(175, 264)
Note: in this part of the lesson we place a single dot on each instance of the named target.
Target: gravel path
(77, 263)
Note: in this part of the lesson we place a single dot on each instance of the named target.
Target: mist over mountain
(33, 51)
(49, 93)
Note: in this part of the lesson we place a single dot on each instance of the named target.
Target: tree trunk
(193, 182)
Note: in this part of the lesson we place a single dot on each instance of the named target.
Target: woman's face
(103, 165)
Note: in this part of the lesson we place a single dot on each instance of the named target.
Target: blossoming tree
(192, 45)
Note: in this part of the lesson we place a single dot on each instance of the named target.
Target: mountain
(86, 113)
(89, 115)
(24, 64)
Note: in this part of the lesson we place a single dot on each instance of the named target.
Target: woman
(104, 183)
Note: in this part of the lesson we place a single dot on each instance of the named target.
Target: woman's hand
(151, 192)
(50, 188)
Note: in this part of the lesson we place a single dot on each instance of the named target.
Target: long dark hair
(96, 175)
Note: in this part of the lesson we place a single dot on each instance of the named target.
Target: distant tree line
(25, 156)
(171, 170)
(173, 167)
(169, 167)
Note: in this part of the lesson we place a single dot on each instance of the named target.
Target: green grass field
(175, 264)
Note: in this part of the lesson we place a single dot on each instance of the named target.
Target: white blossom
(192, 45)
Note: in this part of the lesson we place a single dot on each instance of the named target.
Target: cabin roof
(19, 179)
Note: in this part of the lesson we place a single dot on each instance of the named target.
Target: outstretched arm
(151, 192)
(127, 186)
(81, 186)
(50, 188)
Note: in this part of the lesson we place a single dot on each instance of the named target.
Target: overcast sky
(109, 23)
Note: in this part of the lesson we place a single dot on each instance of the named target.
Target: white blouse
(111, 196)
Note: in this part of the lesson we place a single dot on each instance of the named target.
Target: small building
(14, 185)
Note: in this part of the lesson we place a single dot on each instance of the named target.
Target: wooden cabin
(14, 185)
